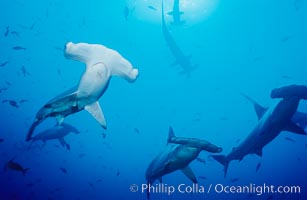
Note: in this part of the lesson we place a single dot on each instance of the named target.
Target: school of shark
(102, 63)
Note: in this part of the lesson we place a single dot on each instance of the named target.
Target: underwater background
(238, 46)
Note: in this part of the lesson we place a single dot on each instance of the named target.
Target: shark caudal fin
(95, 110)
(260, 110)
(223, 160)
(31, 130)
(171, 134)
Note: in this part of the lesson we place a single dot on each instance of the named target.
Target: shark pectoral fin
(62, 141)
(189, 173)
(294, 128)
(95, 110)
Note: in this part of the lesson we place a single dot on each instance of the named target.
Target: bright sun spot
(194, 11)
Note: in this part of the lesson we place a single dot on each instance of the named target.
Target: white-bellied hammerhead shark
(274, 120)
(101, 63)
(299, 118)
(57, 132)
(176, 13)
(177, 156)
(183, 61)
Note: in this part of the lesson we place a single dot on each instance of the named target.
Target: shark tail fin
(31, 130)
(223, 160)
(171, 134)
(25, 171)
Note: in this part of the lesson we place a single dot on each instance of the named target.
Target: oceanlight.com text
(215, 188)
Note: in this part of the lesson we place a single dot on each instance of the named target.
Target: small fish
(234, 180)
(286, 77)
(99, 180)
(15, 33)
(13, 103)
(23, 101)
(3, 89)
(15, 166)
(118, 173)
(24, 71)
(136, 130)
(4, 63)
(258, 166)
(104, 135)
(152, 8)
(18, 48)
(202, 160)
(63, 170)
(289, 139)
(91, 185)
(1, 140)
(286, 38)
(59, 72)
(7, 31)
(224, 118)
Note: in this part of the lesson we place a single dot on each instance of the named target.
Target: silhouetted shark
(57, 132)
(176, 13)
(271, 123)
(183, 61)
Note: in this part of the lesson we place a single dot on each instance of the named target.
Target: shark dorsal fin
(95, 110)
(260, 110)
(294, 128)
(189, 173)
(171, 134)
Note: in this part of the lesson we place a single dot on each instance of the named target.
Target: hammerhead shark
(57, 132)
(177, 155)
(101, 63)
(274, 120)
(176, 13)
(183, 61)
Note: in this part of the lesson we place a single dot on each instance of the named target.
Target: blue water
(239, 46)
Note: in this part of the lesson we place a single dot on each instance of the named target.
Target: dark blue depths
(234, 47)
